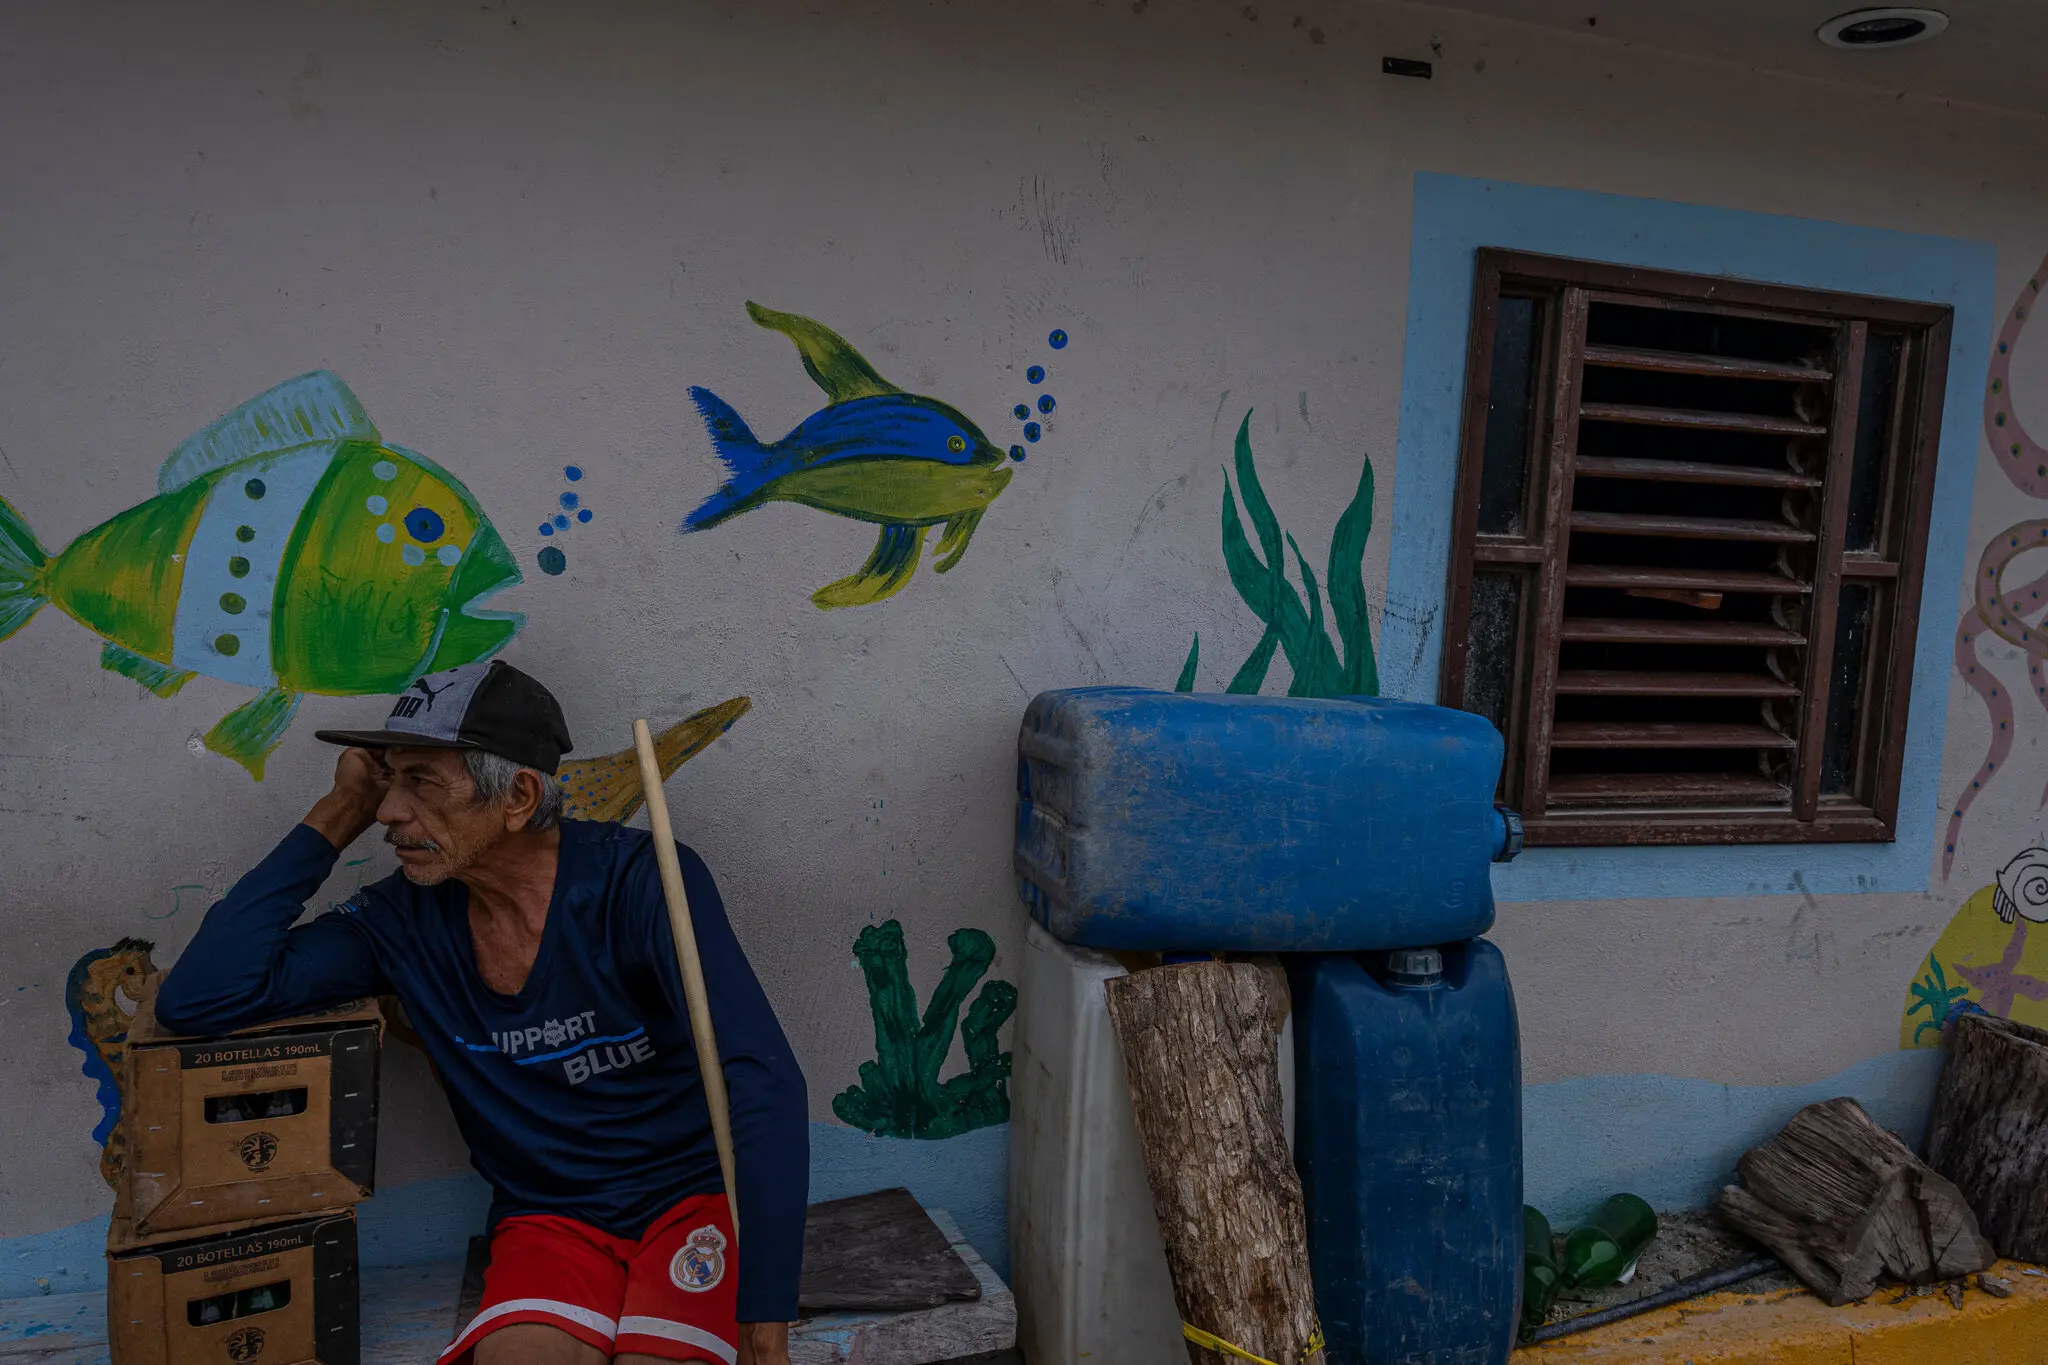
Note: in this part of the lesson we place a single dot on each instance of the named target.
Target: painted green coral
(900, 1093)
(1321, 669)
(1933, 994)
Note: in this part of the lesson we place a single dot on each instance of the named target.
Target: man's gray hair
(494, 775)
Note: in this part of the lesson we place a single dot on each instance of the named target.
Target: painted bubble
(378, 507)
(1036, 374)
(569, 500)
(552, 560)
(572, 472)
(1020, 412)
(413, 555)
(254, 489)
(387, 533)
(1017, 453)
(233, 603)
(561, 522)
(450, 555)
(424, 525)
(583, 515)
(245, 534)
(547, 528)
(1032, 431)
(227, 644)
(384, 470)
(1058, 339)
(1045, 403)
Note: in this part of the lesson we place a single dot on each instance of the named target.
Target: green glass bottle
(1540, 1278)
(1600, 1251)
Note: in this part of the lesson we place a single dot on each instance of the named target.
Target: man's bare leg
(534, 1343)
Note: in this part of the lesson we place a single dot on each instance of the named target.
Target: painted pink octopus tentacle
(2025, 463)
(1998, 705)
(2024, 460)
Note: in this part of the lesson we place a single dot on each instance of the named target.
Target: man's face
(431, 815)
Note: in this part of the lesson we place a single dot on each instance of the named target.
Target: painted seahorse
(93, 994)
(2001, 611)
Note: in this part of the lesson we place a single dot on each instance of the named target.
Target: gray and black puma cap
(489, 706)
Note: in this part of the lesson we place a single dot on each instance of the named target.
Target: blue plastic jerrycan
(1408, 1136)
(1151, 821)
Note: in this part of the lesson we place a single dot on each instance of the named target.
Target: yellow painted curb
(1792, 1327)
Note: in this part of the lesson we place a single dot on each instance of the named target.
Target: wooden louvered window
(1686, 555)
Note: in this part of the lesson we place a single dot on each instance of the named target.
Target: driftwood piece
(1844, 1203)
(1990, 1129)
(878, 1250)
(1199, 1052)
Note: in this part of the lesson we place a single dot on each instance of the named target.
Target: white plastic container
(1086, 1261)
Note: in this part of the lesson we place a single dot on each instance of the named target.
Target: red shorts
(670, 1294)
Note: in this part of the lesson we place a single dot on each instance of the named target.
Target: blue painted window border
(1455, 216)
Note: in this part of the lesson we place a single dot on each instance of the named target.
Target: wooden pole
(1199, 1043)
(1989, 1133)
(690, 964)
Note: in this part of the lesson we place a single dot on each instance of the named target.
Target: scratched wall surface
(524, 232)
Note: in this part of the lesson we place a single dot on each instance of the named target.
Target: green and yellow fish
(288, 549)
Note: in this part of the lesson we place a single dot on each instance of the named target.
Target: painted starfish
(2003, 982)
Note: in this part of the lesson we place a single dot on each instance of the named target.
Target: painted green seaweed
(1321, 668)
(900, 1093)
(1933, 994)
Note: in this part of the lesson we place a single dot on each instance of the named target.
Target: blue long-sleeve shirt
(579, 1095)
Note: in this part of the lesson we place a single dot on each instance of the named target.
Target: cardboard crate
(281, 1293)
(262, 1124)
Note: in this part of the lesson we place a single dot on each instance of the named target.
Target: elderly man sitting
(534, 956)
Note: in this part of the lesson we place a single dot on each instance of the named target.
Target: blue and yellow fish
(873, 453)
(288, 549)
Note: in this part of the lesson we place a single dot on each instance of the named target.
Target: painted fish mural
(608, 788)
(93, 992)
(873, 453)
(288, 549)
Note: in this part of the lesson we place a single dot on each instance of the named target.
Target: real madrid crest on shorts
(700, 1264)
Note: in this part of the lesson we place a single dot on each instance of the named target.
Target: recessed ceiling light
(1891, 26)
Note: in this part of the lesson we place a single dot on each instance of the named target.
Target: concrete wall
(521, 232)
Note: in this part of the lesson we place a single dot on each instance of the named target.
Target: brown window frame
(1565, 288)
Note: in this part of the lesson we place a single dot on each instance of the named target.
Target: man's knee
(534, 1343)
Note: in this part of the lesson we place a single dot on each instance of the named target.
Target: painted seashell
(2023, 887)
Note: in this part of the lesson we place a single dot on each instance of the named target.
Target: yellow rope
(1210, 1341)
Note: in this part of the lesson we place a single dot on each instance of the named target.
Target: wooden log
(1845, 1204)
(1199, 1041)
(1990, 1129)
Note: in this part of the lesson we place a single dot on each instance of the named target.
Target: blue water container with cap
(1155, 821)
(1408, 1137)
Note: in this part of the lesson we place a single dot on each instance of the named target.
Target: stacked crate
(234, 1234)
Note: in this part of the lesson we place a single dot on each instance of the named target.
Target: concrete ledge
(1792, 1327)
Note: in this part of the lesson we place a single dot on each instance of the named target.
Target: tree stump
(1843, 1203)
(1990, 1129)
(1198, 1043)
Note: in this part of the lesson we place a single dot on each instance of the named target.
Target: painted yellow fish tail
(121, 580)
(608, 788)
(22, 566)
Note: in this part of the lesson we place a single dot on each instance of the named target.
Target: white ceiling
(1995, 51)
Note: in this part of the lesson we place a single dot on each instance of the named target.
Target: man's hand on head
(764, 1343)
(350, 807)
